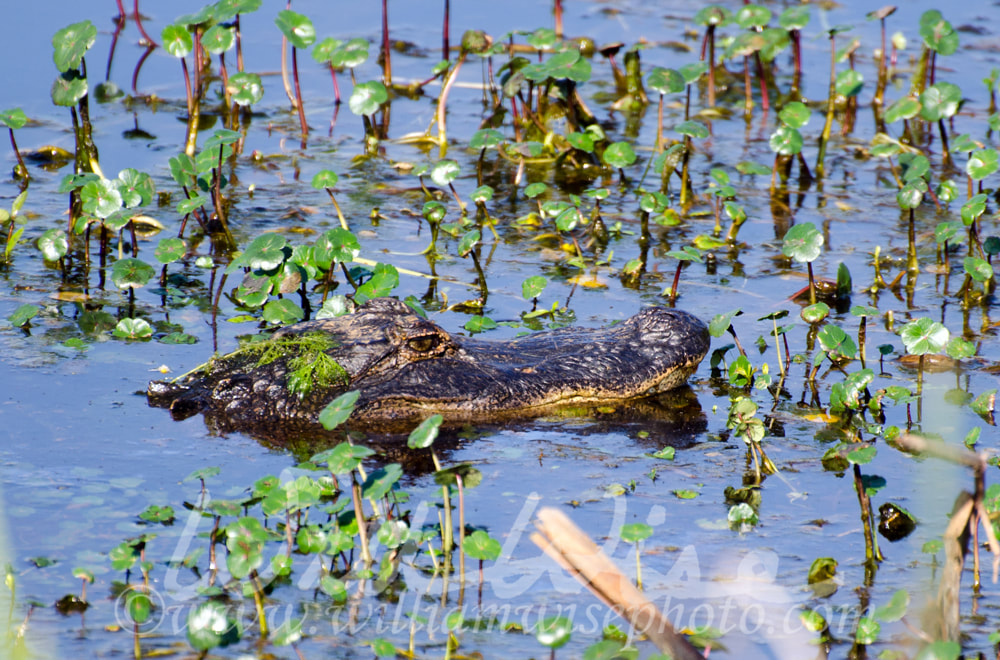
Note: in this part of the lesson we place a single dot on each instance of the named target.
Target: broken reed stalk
(572, 549)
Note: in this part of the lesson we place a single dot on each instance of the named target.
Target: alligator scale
(406, 367)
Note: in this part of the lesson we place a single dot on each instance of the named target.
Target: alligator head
(406, 367)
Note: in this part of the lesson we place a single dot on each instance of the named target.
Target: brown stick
(572, 549)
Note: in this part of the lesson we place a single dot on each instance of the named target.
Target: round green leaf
(23, 314)
(665, 81)
(323, 50)
(336, 245)
(367, 98)
(282, 312)
(803, 243)
(905, 108)
(14, 118)
(219, 38)
(425, 434)
(795, 17)
(53, 244)
(849, 83)
(868, 631)
(337, 411)
(937, 33)
(311, 539)
(297, 28)
(325, 179)
(266, 252)
(940, 101)
(619, 154)
(554, 631)
(533, 190)
(352, 54)
(170, 250)
(795, 114)
(69, 88)
(245, 88)
(71, 43)
(973, 208)
(177, 40)
(924, 336)
(209, 625)
(100, 198)
(384, 279)
(815, 313)
(131, 273)
(485, 138)
(635, 532)
(752, 16)
(978, 269)
(333, 588)
(444, 172)
(532, 287)
(478, 324)
(479, 545)
(133, 329)
(290, 632)
(786, 141)
(138, 605)
(895, 608)
(982, 164)
(695, 129)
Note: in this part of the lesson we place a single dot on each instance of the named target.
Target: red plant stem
(765, 100)
(711, 66)
(119, 24)
(445, 45)
(187, 84)
(336, 87)
(20, 160)
(386, 63)
(225, 78)
(298, 91)
(239, 46)
(138, 23)
(557, 10)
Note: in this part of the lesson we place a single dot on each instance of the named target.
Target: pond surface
(83, 455)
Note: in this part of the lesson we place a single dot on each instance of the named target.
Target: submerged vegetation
(623, 182)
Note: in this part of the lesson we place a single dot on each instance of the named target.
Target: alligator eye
(424, 344)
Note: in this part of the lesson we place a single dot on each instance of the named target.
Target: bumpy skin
(406, 368)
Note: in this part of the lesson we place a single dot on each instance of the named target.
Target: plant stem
(359, 516)
(442, 105)
(386, 50)
(298, 92)
(830, 104)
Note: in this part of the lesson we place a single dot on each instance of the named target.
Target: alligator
(406, 368)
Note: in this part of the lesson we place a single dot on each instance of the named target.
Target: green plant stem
(872, 552)
(359, 516)
(340, 214)
(830, 106)
(638, 568)
(812, 284)
(258, 600)
(447, 540)
(461, 530)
